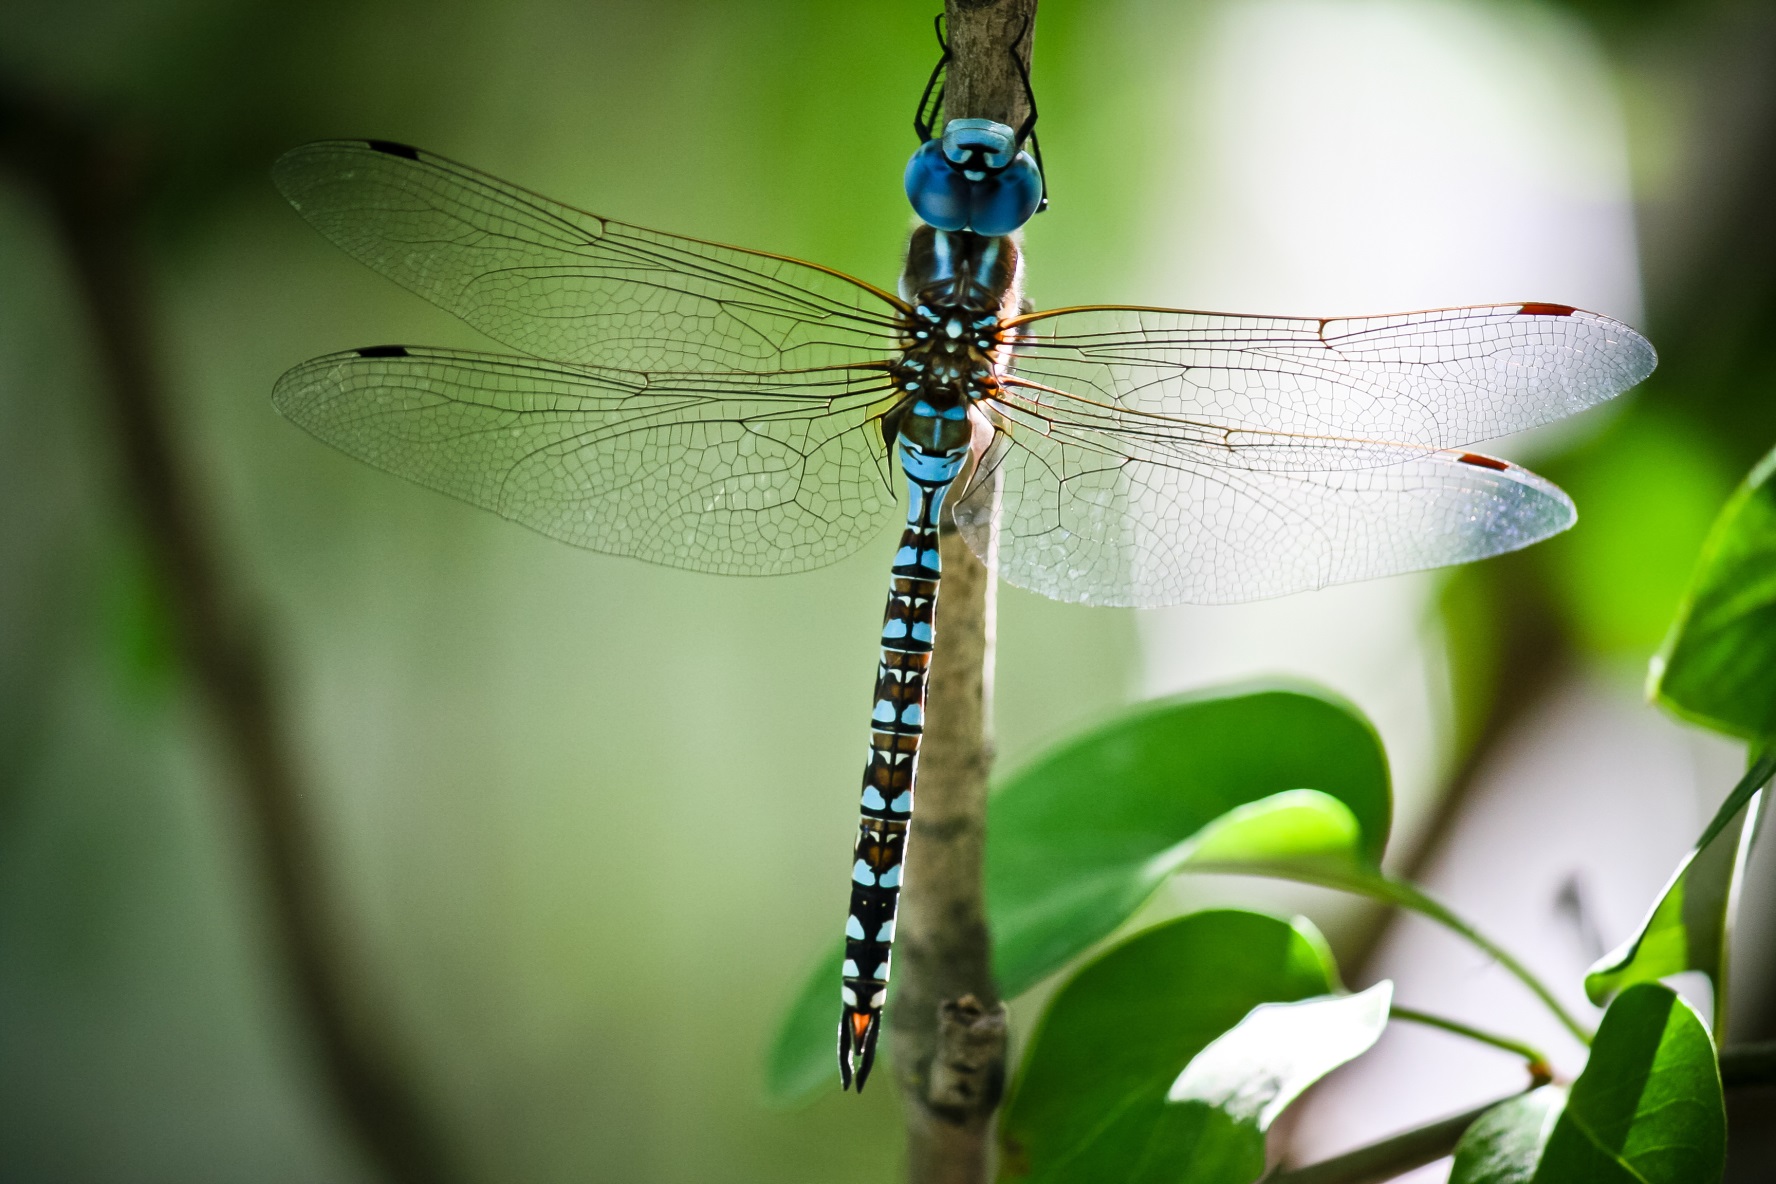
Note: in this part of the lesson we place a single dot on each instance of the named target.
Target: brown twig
(947, 1020)
(90, 177)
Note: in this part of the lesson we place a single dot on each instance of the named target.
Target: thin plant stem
(1388, 890)
(1539, 1066)
(1411, 897)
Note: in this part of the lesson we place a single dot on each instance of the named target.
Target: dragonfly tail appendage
(896, 725)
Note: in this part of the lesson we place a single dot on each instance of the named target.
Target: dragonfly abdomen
(897, 723)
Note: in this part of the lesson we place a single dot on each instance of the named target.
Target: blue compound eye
(940, 194)
(1000, 204)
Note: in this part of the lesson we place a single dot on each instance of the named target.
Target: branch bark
(947, 1020)
(90, 176)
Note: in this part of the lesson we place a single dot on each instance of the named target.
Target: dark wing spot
(1537, 309)
(383, 351)
(1482, 462)
(393, 149)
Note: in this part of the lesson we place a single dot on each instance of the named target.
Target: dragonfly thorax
(960, 286)
(950, 360)
(963, 271)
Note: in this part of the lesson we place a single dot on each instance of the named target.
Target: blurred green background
(584, 819)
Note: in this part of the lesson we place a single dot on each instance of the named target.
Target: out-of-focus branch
(90, 174)
(947, 1020)
(1390, 1157)
(1748, 1065)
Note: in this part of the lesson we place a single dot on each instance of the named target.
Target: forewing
(1446, 378)
(730, 473)
(555, 282)
(1089, 516)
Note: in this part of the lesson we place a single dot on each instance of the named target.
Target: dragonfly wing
(555, 282)
(1446, 378)
(1095, 517)
(729, 473)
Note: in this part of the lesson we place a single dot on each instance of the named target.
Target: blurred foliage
(1647, 487)
(1718, 666)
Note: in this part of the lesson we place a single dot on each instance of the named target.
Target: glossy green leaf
(1647, 1109)
(1718, 665)
(1090, 1100)
(1080, 838)
(1505, 1145)
(1266, 1060)
(1689, 925)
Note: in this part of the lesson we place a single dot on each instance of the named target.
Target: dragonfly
(740, 412)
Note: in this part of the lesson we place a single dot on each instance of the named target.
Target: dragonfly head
(976, 177)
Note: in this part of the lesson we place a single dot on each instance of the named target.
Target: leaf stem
(1540, 1069)
(1378, 886)
(1412, 897)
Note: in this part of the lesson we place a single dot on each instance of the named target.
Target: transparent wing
(1100, 512)
(555, 282)
(1446, 378)
(731, 473)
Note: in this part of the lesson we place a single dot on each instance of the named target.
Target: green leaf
(1689, 925)
(1506, 1143)
(1080, 838)
(1718, 665)
(1647, 1109)
(1255, 1070)
(1089, 1102)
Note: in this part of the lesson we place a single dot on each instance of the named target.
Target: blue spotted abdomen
(897, 723)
